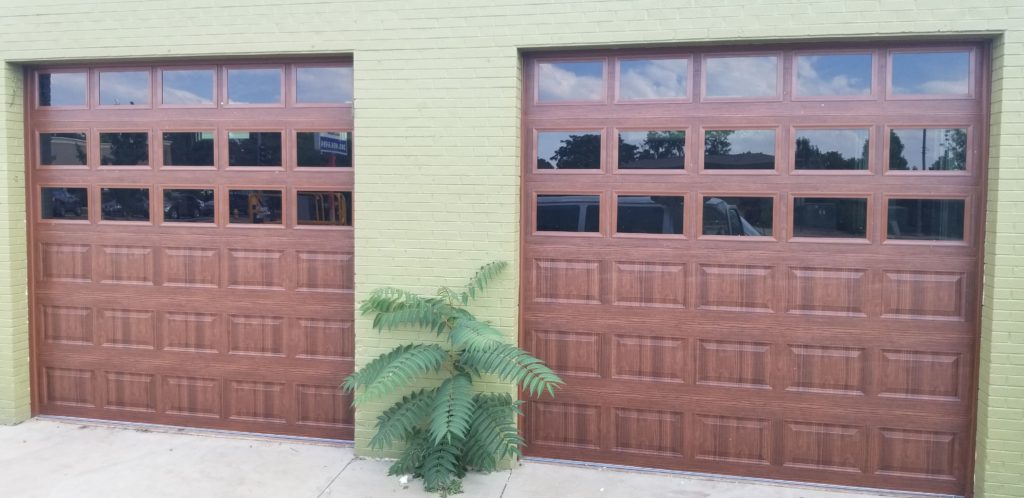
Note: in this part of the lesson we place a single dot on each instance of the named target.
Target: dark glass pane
(188, 148)
(832, 149)
(65, 203)
(255, 206)
(739, 149)
(324, 208)
(928, 149)
(926, 219)
(124, 88)
(124, 149)
(189, 205)
(62, 89)
(837, 75)
(646, 79)
(739, 77)
(570, 81)
(324, 149)
(830, 217)
(323, 85)
(187, 86)
(931, 73)
(568, 150)
(568, 213)
(62, 149)
(740, 216)
(254, 86)
(650, 214)
(652, 149)
(124, 204)
(247, 148)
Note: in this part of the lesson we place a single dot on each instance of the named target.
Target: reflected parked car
(187, 206)
(722, 218)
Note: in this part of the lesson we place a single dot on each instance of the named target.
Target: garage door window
(186, 205)
(928, 149)
(124, 148)
(568, 213)
(323, 149)
(124, 88)
(739, 149)
(940, 74)
(64, 203)
(926, 219)
(63, 149)
(255, 86)
(255, 207)
(654, 79)
(251, 148)
(569, 150)
(570, 81)
(652, 150)
(741, 77)
(738, 216)
(188, 148)
(830, 217)
(650, 214)
(832, 149)
(323, 85)
(124, 204)
(324, 208)
(63, 89)
(188, 87)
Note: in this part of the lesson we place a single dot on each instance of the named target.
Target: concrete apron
(58, 458)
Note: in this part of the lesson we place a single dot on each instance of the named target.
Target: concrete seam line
(505, 487)
(336, 476)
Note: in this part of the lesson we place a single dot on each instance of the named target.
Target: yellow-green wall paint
(438, 87)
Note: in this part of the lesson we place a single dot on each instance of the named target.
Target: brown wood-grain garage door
(758, 261)
(191, 244)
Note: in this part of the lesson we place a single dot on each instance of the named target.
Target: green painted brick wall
(438, 115)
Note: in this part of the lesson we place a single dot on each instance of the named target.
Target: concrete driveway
(72, 459)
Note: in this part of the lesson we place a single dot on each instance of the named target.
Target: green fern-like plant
(451, 428)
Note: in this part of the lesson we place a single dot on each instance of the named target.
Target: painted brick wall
(437, 114)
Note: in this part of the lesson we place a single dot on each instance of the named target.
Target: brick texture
(438, 117)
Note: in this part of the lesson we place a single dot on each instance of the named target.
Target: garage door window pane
(330, 149)
(926, 219)
(652, 149)
(931, 73)
(323, 85)
(127, 88)
(569, 150)
(62, 149)
(570, 81)
(649, 79)
(124, 149)
(62, 89)
(568, 213)
(324, 208)
(739, 149)
(830, 217)
(189, 205)
(832, 149)
(742, 77)
(928, 149)
(65, 203)
(188, 148)
(840, 75)
(247, 148)
(738, 216)
(187, 86)
(124, 204)
(660, 214)
(255, 206)
(254, 86)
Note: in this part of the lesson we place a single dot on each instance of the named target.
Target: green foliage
(448, 429)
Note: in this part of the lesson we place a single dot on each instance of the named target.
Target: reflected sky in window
(747, 141)
(732, 77)
(569, 150)
(933, 149)
(254, 86)
(931, 73)
(833, 75)
(124, 88)
(324, 85)
(188, 87)
(62, 89)
(570, 81)
(652, 79)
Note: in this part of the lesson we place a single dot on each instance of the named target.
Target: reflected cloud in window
(323, 85)
(833, 75)
(931, 73)
(646, 79)
(254, 86)
(568, 150)
(570, 81)
(741, 77)
(62, 89)
(187, 87)
(124, 88)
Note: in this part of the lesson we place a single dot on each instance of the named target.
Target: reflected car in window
(568, 213)
(724, 218)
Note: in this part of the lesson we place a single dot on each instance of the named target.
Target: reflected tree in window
(954, 151)
(896, 147)
(716, 142)
(657, 150)
(124, 149)
(928, 149)
(810, 156)
(575, 152)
